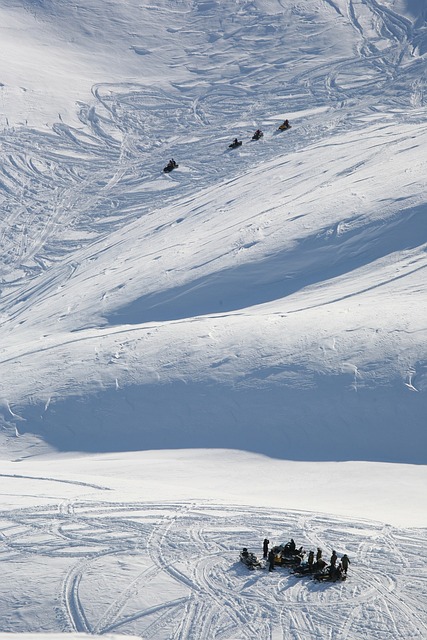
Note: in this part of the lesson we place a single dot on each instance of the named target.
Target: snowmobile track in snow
(107, 555)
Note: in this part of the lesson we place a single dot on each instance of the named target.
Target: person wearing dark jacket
(318, 554)
(334, 558)
(265, 547)
(310, 560)
(271, 559)
(345, 562)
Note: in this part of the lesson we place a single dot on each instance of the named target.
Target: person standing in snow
(310, 560)
(345, 562)
(271, 559)
(265, 547)
(334, 558)
(318, 554)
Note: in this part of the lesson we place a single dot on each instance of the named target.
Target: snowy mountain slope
(267, 301)
(273, 352)
(253, 280)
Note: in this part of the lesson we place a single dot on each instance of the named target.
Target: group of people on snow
(236, 143)
(314, 564)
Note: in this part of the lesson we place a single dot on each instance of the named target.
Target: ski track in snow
(117, 554)
(75, 482)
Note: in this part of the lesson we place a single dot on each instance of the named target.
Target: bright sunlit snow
(196, 360)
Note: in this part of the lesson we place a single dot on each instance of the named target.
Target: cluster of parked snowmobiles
(288, 555)
(321, 572)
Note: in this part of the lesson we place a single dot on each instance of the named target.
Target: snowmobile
(257, 135)
(285, 126)
(249, 559)
(288, 557)
(171, 165)
(303, 569)
(330, 574)
(236, 143)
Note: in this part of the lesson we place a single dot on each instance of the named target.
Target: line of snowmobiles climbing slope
(253, 67)
(303, 270)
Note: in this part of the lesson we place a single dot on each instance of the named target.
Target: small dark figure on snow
(310, 560)
(345, 562)
(292, 546)
(265, 547)
(318, 554)
(271, 558)
(285, 125)
(245, 552)
(334, 558)
(170, 165)
(235, 143)
(257, 135)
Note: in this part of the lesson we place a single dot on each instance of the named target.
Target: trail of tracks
(172, 571)
(60, 190)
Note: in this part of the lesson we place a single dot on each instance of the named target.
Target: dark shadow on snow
(330, 420)
(316, 259)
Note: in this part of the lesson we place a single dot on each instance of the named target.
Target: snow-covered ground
(191, 362)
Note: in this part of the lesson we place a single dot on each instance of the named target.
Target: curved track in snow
(171, 570)
(62, 189)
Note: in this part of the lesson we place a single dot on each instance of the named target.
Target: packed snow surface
(192, 361)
